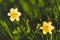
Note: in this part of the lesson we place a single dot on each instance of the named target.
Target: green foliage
(34, 12)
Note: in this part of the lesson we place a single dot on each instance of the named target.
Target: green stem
(4, 24)
(34, 34)
(27, 36)
(50, 37)
(46, 37)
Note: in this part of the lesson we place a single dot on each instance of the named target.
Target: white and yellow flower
(47, 27)
(14, 14)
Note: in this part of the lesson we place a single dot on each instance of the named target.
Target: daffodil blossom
(47, 27)
(14, 14)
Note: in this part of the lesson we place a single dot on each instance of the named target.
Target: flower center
(14, 14)
(46, 28)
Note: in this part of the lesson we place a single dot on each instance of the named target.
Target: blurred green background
(34, 12)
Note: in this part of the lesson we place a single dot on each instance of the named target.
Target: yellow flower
(47, 27)
(14, 14)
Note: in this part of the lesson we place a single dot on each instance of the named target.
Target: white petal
(11, 10)
(41, 27)
(8, 14)
(49, 23)
(17, 19)
(16, 9)
(44, 32)
(12, 19)
(45, 23)
(50, 32)
(19, 14)
(51, 27)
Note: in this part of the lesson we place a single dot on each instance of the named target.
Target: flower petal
(19, 14)
(17, 18)
(45, 24)
(11, 10)
(51, 27)
(49, 23)
(16, 9)
(50, 32)
(8, 14)
(44, 32)
(41, 27)
(12, 19)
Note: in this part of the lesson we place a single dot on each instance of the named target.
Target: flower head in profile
(14, 14)
(47, 27)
